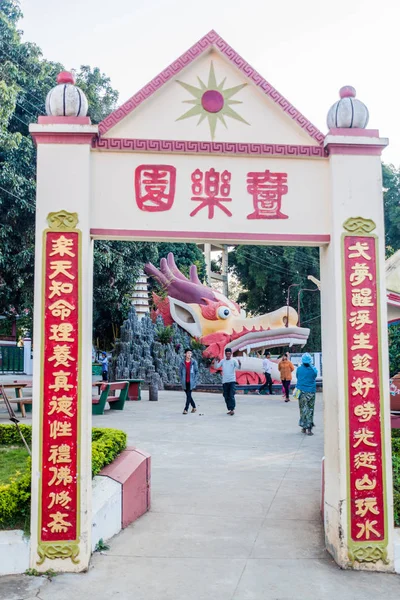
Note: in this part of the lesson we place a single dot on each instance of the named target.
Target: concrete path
(235, 512)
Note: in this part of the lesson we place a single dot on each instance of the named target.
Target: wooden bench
(19, 399)
(108, 394)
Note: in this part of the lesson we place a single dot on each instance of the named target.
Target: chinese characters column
(61, 519)
(60, 415)
(366, 495)
(358, 510)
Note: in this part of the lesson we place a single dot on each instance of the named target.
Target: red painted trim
(317, 239)
(62, 138)
(393, 298)
(212, 39)
(196, 147)
(42, 120)
(356, 132)
(357, 149)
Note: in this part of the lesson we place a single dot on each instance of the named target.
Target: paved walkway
(235, 512)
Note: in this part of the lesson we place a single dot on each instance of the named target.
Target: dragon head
(217, 321)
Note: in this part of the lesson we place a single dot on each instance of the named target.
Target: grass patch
(12, 459)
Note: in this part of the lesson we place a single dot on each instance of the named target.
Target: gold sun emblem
(212, 101)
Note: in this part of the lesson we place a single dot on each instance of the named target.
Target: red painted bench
(108, 394)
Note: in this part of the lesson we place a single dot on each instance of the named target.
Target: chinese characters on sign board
(367, 501)
(59, 457)
(155, 191)
(155, 187)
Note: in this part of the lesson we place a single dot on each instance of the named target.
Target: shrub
(106, 445)
(9, 435)
(165, 334)
(196, 344)
(15, 496)
(396, 475)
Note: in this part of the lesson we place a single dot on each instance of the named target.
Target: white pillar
(27, 356)
(207, 257)
(363, 541)
(225, 289)
(63, 415)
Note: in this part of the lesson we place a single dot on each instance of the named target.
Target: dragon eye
(223, 312)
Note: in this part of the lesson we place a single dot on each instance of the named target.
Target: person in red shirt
(189, 372)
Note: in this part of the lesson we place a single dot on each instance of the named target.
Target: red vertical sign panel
(59, 493)
(367, 502)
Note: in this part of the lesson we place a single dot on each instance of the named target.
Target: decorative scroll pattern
(368, 554)
(193, 147)
(359, 225)
(62, 220)
(211, 39)
(62, 551)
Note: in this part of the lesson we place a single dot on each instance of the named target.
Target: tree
(25, 80)
(391, 201)
(266, 273)
(117, 266)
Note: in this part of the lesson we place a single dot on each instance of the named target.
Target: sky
(307, 49)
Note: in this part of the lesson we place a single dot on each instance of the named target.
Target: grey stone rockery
(140, 355)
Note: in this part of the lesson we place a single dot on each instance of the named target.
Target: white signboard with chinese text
(189, 195)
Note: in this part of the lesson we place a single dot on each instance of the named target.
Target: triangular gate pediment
(210, 94)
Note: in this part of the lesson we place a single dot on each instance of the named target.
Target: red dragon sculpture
(217, 322)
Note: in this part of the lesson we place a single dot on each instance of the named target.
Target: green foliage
(116, 268)
(101, 96)
(391, 199)
(15, 499)
(9, 435)
(107, 444)
(15, 496)
(197, 345)
(50, 574)
(394, 349)
(25, 80)
(101, 546)
(396, 475)
(165, 334)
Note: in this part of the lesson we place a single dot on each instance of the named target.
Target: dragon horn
(174, 269)
(165, 270)
(156, 273)
(194, 278)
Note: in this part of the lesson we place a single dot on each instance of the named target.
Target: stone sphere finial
(348, 112)
(66, 99)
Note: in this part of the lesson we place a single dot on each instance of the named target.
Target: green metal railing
(11, 359)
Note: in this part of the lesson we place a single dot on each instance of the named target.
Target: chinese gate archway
(210, 152)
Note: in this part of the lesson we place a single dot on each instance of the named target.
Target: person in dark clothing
(188, 372)
(229, 365)
(104, 366)
(267, 367)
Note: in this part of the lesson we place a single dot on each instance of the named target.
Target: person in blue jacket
(306, 375)
(104, 366)
(189, 372)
